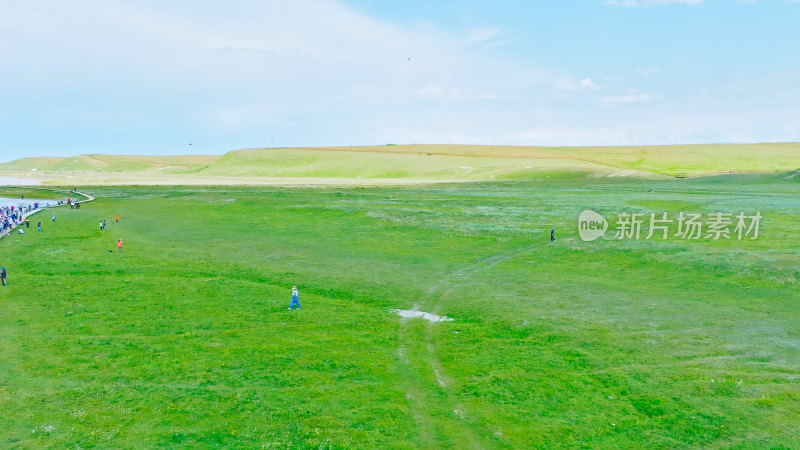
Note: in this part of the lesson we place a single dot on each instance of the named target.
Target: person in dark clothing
(3, 275)
(552, 234)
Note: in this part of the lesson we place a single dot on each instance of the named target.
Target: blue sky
(153, 77)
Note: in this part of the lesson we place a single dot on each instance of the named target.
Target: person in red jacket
(119, 245)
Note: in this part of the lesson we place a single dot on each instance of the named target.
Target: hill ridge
(418, 162)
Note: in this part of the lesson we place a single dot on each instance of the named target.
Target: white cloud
(311, 57)
(640, 97)
(570, 84)
(315, 72)
(256, 41)
(647, 71)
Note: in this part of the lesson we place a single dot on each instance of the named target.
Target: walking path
(45, 208)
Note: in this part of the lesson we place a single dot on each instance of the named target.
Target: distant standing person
(101, 225)
(39, 226)
(116, 218)
(27, 223)
(119, 245)
(54, 218)
(295, 299)
(3, 275)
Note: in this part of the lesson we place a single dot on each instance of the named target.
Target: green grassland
(111, 163)
(184, 338)
(33, 193)
(404, 164)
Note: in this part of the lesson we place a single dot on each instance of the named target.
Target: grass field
(406, 164)
(184, 338)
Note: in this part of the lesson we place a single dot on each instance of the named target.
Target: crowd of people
(16, 216)
(12, 216)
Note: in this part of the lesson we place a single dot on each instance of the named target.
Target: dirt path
(441, 419)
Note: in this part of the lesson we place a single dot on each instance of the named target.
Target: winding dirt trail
(440, 418)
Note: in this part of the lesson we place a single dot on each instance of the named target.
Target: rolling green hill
(111, 163)
(410, 163)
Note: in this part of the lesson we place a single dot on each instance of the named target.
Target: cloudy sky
(154, 76)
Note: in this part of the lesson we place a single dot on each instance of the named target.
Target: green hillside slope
(414, 163)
